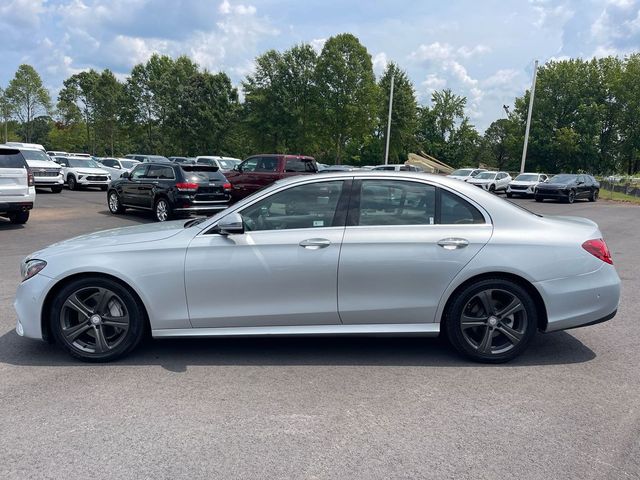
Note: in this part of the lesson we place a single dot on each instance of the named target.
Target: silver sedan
(341, 253)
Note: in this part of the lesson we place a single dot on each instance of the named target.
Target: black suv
(170, 190)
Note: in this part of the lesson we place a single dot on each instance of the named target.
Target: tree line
(332, 106)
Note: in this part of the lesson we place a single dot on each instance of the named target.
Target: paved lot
(320, 408)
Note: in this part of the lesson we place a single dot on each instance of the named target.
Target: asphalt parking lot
(372, 408)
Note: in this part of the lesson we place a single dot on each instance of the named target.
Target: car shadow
(140, 216)
(559, 348)
(5, 224)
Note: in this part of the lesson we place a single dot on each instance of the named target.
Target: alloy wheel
(114, 203)
(571, 197)
(94, 320)
(162, 210)
(493, 321)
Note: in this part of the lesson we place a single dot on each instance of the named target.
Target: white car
(81, 155)
(36, 146)
(466, 174)
(397, 168)
(17, 192)
(491, 181)
(117, 166)
(225, 164)
(84, 172)
(57, 153)
(46, 173)
(525, 184)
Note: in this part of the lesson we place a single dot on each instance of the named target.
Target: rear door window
(299, 165)
(393, 202)
(455, 210)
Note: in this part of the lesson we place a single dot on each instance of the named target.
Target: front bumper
(28, 305)
(530, 190)
(581, 300)
(85, 182)
(558, 194)
(48, 181)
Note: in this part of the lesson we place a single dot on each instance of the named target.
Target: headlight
(30, 267)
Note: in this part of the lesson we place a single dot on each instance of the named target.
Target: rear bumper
(203, 208)
(15, 207)
(581, 300)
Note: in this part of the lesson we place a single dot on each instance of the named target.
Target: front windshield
(527, 177)
(562, 178)
(128, 164)
(486, 176)
(35, 155)
(463, 172)
(82, 163)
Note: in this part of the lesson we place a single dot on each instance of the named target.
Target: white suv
(17, 192)
(46, 173)
(225, 164)
(491, 181)
(84, 172)
(525, 184)
(117, 166)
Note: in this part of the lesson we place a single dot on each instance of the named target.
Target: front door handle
(453, 243)
(315, 243)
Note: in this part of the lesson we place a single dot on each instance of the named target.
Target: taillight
(227, 186)
(30, 181)
(598, 248)
(187, 187)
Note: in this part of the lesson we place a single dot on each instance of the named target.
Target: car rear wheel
(162, 210)
(72, 183)
(594, 195)
(56, 189)
(96, 319)
(491, 321)
(19, 218)
(113, 200)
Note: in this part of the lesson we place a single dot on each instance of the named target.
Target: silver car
(340, 253)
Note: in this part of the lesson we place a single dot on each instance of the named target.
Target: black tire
(539, 199)
(72, 182)
(471, 328)
(19, 218)
(81, 336)
(492, 188)
(162, 210)
(56, 189)
(114, 204)
(104, 188)
(571, 197)
(594, 195)
(509, 195)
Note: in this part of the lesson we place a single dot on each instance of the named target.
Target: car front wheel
(491, 321)
(571, 197)
(509, 195)
(113, 200)
(96, 319)
(72, 183)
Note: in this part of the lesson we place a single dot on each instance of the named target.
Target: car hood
(118, 236)
(42, 164)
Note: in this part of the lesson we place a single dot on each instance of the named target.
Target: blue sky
(481, 49)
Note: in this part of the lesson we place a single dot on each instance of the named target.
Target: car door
(281, 271)
(404, 243)
(583, 188)
(131, 187)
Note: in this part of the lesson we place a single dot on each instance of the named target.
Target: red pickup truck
(261, 170)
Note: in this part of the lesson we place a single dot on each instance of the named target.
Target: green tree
(404, 116)
(77, 101)
(348, 96)
(28, 97)
(108, 99)
(5, 113)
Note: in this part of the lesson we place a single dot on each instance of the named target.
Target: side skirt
(422, 329)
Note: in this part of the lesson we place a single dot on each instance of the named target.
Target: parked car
(225, 164)
(57, 153)
(81, 155)
(46, 173)
(525, 184)
(32, 146)
(187, 160)
(17, 189)
(341, 253)
(259, 171)
(83, 172)
(170, 189)
(568, 187)
(336, 168)
(465, 174)
(147, 158)
(117, 166)
(491, 181)
(397, 168)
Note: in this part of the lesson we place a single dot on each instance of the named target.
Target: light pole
(526, 131)
(386, 148)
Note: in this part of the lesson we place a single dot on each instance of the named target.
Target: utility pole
(526, 131)
(386, 149)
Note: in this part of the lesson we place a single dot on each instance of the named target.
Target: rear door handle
(453, 243)
(315, 243)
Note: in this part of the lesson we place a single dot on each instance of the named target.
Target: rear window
(11, 159)
(205, 172)
(300, 165)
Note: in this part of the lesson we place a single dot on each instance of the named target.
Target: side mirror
(232, 224)
(237, 168)
(125, 175)
(117, 166)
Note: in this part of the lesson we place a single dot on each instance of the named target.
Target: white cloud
(501, 78)
(434, 51)
(467, 52)
(380, 61)
(318, 44)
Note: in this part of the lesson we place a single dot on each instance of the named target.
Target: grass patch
(618, 197)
